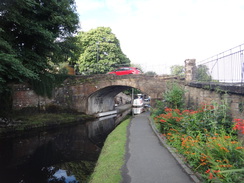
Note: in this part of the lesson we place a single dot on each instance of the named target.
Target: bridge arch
(103, 99)
(95, 94)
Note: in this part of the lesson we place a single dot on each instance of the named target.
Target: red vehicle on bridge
(126, 71)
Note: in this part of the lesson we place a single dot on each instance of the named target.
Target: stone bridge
(93, 94)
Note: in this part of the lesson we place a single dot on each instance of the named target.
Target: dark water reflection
(67, 154)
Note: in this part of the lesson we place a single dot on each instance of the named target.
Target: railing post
(190, 70)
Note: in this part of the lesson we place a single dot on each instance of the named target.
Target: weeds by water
(22, 122)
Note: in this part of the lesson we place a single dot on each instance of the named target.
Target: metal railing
(225, 67)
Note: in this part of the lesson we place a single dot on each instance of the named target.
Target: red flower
(167, 109)
(207, 171)
(186, 111)
(216, 171)
(210, 176)
(193, 112)
(239, 125)
(177, 110)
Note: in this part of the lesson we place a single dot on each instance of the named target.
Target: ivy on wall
(45, 85)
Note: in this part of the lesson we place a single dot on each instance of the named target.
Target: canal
(66, 154)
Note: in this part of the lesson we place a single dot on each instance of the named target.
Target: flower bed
(208, 140)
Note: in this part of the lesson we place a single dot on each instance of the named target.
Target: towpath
(147, 160)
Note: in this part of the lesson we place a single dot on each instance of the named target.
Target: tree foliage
(202, 73)
(33, 34)
(139, 66)
(177, 70)
(150, 73)
(174, 95)
(100, 52)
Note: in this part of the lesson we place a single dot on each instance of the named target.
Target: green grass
(111, 159)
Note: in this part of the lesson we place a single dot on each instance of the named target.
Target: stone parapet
(190, 70)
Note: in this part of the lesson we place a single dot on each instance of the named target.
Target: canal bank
(28, 121)
(32, 121)
(49, 155)
(111, 158)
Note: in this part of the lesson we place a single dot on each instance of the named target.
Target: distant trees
(177, 70)
(100, 52)
(202, 73)
(139, 66)
(150, 73)
(33, 35)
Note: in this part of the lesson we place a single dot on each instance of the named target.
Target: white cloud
(162, 32)
(119, 6)
(84, 6)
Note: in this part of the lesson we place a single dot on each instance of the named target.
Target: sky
(160, 33)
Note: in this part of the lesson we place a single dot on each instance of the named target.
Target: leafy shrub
(174, 96)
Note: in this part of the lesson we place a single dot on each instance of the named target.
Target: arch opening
(103, 99)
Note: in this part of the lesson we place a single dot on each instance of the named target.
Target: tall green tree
(100, 51)
(177, 70)
(34, 33)
(202, 73)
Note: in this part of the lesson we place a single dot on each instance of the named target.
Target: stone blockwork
(91, 94)
(198, 96)
(94, 94)
(24, 96)
(122, 99)
(190, 69)
(207, 93)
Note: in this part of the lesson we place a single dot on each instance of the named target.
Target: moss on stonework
(27, 121)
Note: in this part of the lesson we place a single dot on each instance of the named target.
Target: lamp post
(97, 43)
(132, 99)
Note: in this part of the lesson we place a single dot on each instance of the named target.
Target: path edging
(174, 154)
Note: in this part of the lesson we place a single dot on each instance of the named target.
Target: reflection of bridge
(94, 94)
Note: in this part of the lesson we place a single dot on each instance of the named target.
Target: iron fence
(225, 67)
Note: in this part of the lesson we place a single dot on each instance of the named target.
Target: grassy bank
(22, 122)
(111, 158)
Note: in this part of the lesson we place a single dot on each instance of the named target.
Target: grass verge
(111, 159)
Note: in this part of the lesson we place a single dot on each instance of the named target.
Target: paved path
(147, 160)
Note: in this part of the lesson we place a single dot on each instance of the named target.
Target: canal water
(66, 154)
